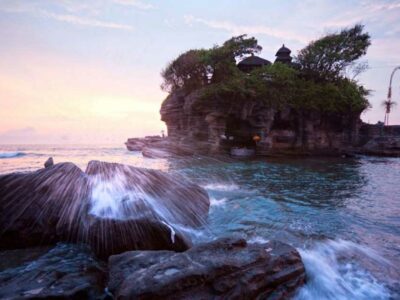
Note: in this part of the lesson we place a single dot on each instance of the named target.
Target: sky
(89, 71)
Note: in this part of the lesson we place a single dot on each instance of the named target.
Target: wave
(221, 187)
(217, 202)
(331, 275)
(11, 154)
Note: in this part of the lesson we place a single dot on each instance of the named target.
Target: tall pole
(389, 97)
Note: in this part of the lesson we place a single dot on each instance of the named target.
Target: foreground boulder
(112, 207)
(227, 268)
(108, 236)
(42, 207)
(65, 272)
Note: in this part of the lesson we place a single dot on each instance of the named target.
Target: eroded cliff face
(217, 127)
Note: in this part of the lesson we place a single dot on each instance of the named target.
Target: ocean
(342, 214)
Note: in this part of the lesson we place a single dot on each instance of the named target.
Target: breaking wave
(11, 154)
(221, 187)
(217, 202)
(331, 275)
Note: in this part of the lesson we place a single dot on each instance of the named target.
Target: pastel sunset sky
(89, 71)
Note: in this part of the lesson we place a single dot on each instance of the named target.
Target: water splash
(223, 187)
(331, 274)
(218, 202)
(111, 199)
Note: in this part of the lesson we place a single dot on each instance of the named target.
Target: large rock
(41, 207)
(227, 268)
(220, 124)
(109, 236)
(112, 207)
(65, 272)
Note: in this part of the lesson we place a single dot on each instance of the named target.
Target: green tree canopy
(196, 68)
(328, 57)
(315, 82)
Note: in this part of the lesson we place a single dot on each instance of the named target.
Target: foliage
(329, 57)
(195, 68)
(318, 84)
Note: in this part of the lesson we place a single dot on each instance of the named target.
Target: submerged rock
(228, 268)
(65, 272)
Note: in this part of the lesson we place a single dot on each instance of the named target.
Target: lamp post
(388, 103)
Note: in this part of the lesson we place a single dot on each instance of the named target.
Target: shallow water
(342, 214)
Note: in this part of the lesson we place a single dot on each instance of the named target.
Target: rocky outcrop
(111, 207)
(228, 268)
(382, 146)
(65, 272)
(215, 128)
(159, 147)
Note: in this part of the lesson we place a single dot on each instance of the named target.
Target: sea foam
(331, 276)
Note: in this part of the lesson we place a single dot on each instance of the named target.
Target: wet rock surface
(227, 268)
(65, 272)
(57, 204)
(108, 236)
(41, 207)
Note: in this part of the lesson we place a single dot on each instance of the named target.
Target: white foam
(257, 240)
(173, 233)
(221, 187)
(108, 197)
(331, 276)
(218, 202)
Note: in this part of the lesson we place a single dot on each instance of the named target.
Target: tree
(329, 57)
(186, 72)
(197, 68)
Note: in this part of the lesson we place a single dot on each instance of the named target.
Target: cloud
(72, 13)
(236, 29)
(76, 20)
(377, 12)
(135, 3)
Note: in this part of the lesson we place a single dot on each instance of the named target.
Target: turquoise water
(343, 215)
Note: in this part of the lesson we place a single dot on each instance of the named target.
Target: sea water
(343, 215)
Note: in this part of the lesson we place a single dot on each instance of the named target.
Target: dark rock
(56, 204)
(16, 257)
(41, 207)
(65, 272)
(382, 146)
(137, 144)
(109, 237)
(156, 153)
(49, 162)
(227, 268)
